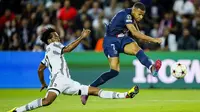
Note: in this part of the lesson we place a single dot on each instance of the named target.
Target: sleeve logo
(128, 18)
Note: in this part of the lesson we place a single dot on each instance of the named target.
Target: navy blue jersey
(118, 23)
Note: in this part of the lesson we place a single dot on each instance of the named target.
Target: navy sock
(143, 59)
(104, 77)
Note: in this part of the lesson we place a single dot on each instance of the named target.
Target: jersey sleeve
(58, 48)
(128, 19)
(44, 61)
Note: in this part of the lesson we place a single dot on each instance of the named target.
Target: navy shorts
(114, 45)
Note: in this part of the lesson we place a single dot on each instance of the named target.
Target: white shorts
(62, 84)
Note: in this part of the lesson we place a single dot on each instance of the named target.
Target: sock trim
(39, 102)
(114, 95)
(143, 58)
(27, 107)
(150, 67)
(100, 92)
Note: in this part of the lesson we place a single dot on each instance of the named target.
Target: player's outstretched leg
(104, 77)
(30, 106)
(51, 96)
(99, 81)
(133, 49)
(117, 95)
(111, 94)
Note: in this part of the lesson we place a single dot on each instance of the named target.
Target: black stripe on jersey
(48, 62)
(62, 50)
(54, 89)
(53, 79)
(42, 63)
(56, 53)
(67, 72)
(62, 65)
(62, 68)
(56, 45)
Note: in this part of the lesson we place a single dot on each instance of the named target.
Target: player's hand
(85, 33)
(43, 87)
(157, 40)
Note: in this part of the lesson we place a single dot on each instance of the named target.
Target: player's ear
(133, 9)
(49, 41)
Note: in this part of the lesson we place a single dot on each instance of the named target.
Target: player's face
(138, 14)
(55, 37)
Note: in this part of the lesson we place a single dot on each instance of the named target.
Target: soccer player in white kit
(60, 81)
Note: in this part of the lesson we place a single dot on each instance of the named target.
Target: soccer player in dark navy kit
(117, 41)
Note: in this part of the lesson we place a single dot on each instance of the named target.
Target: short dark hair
(139, 5)
(46, 34)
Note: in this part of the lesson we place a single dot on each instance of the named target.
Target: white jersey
(55, 61)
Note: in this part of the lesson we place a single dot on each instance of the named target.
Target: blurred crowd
(177, 22)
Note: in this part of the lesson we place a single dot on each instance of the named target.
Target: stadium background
(176, 22)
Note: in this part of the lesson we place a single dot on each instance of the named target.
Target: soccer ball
(178, 70)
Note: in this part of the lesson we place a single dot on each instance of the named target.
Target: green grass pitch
(148, 100)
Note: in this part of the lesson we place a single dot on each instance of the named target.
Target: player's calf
(46, 102)
(148, 64)
(105, 77)
(144, 60)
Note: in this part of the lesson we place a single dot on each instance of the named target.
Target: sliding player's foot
(133, 91)
(156, 67)
(13, 110)
(84, 99)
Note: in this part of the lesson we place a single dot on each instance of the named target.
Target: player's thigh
(75, 87)
(58, 84)
(111, 46)
(114, 63)
(131, 48)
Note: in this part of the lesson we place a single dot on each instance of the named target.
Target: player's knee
(112, 73)
(132, 48)
(46, 102)
(136, 50)
(114, 67)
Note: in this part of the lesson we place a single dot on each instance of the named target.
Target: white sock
(30, 106)
(111, 94)
(150, 67)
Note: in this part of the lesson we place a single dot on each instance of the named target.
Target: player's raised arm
(71, 46)
(41, 69)
(139, 35)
